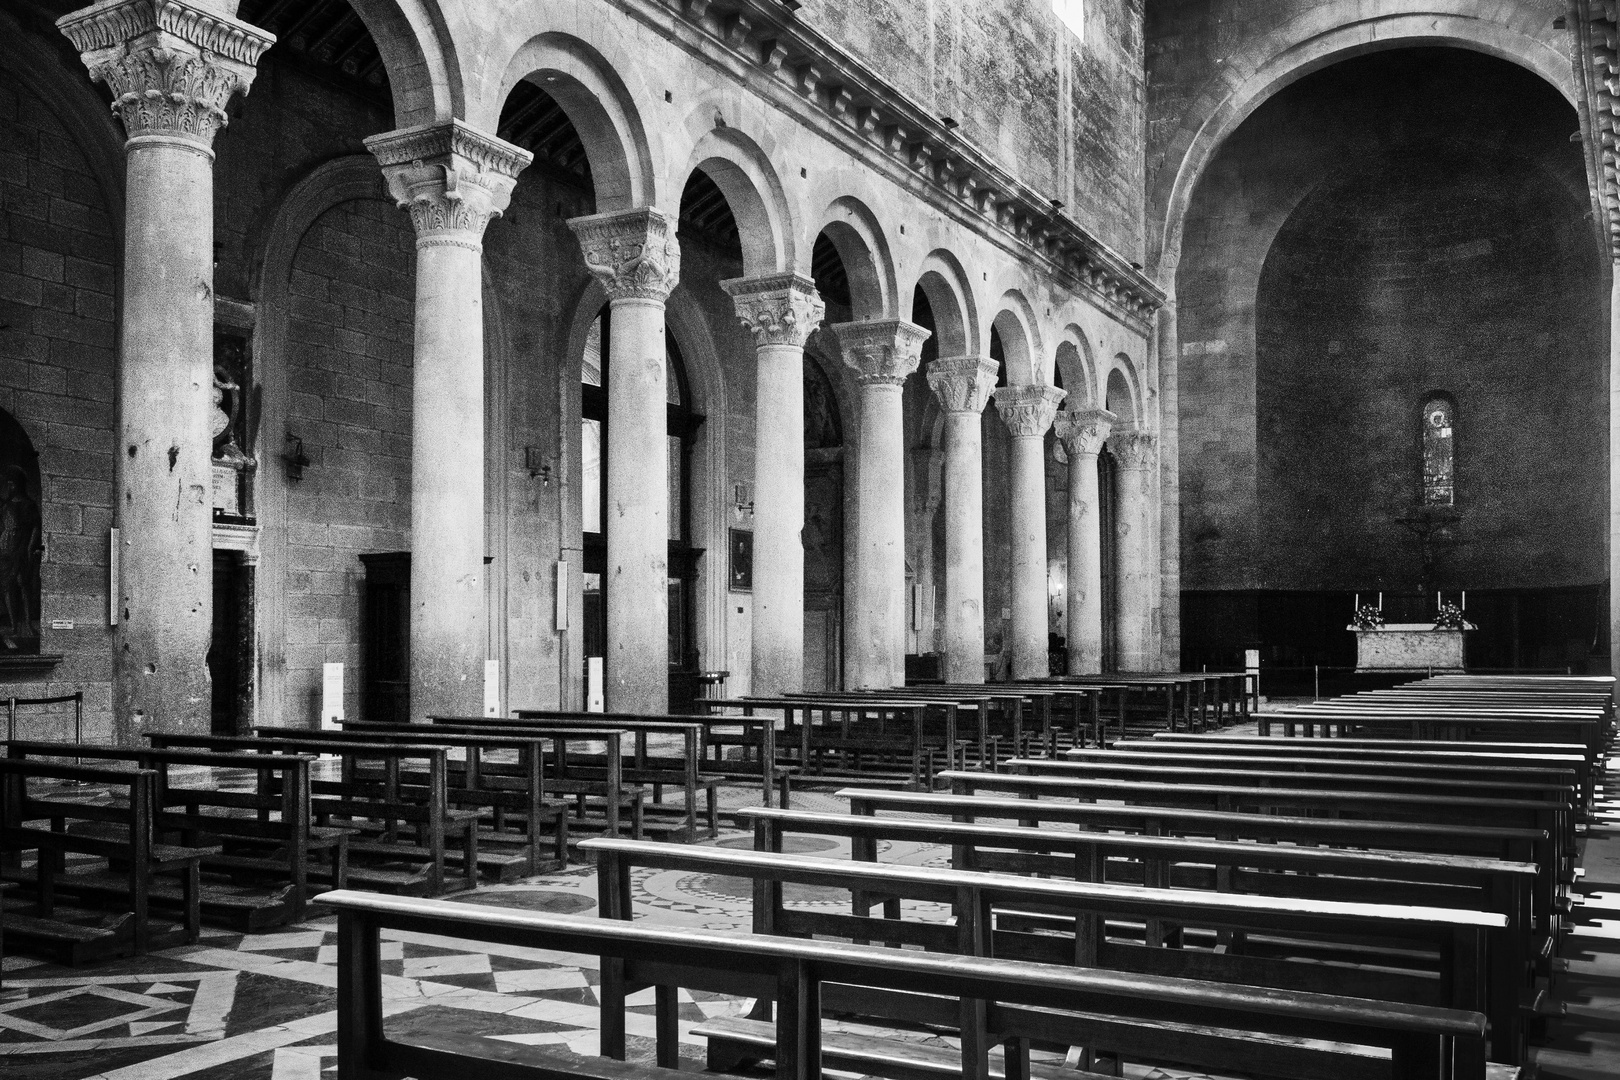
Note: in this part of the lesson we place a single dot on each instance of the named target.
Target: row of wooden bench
(1433, 906)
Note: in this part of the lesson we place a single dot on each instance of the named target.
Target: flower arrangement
(1367, 617)
(1449, 617)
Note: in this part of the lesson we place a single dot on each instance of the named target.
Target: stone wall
(349, 376)
(1017, 79)
(57, 364)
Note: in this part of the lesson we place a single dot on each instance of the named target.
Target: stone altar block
(1409, 647)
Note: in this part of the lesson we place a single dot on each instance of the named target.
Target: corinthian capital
(1028, 411)
(633, 253)
(778, 309)
(1133, 450)
(172, 67)
(452, 178)
(1083, 431)
(962, 384)
(881, 353)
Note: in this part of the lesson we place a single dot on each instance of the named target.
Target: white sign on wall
(594, 701)
(331, 695)
(492, 688)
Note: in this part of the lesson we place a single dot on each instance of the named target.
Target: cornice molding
(766, 36)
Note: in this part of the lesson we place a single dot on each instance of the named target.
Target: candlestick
(1465, 600)
(1357, 606)
(1380, 601)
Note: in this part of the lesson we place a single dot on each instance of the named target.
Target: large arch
(418, 51)
(1122, 394)
(1015, 324)
(1074, 361)
(753, 190)
(853, 229)
(1308, 43)
(599, 105)
(956, 318)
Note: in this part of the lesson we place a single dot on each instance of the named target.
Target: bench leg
(470, 853)
(667, 1027)
(1016, 1055)
(191, 893)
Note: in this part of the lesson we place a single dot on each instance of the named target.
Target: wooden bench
(501, 794)
(87, 822)
(371, 798)
(874, 740)
(754, 735)
(645, 768)
(1321, 873)
(1440, 961)
(265, 835)
(1005, 1002)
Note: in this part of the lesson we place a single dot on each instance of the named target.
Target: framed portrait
(742, 560)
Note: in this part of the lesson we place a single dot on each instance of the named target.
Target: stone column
(1614, 469)
(453, 180)
(781, 311)
(1169, 512)
(1083, 432)
(172, 68)
(634, 254)
(882, 354)
(1136, 456)
(1028, 411)
(962, 386)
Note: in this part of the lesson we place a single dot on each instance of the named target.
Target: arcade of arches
(511, 354)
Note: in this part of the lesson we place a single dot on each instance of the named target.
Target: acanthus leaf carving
(633, 253)
(778, 309)
(962, 384)
(452, 178)
(882, 352)
(1028, 411)
(1083, 431)
(1133, 450)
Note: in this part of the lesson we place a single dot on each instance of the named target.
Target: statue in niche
(227, 415)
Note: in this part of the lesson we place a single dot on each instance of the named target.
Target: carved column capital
(962, 384)
(452, 178)
(172, 66)
(1028, 411)
(633, 253)
(778, 309)
(1133, 450)
(883, 352)
(1083, 431)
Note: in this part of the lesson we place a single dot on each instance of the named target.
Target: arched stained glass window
(1439, 451)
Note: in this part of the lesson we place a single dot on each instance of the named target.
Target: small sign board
(331, 695)
(492, 688)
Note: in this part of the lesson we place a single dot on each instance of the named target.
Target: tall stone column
(882, 354)
(1028, 411)
(1136, 456)
(781, 311)
(962, 386)
(634, 254)
(1083, 432)
(453, 180)
(172, 68)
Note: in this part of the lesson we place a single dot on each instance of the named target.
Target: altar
(1409, 647)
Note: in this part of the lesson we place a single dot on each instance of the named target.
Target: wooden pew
(1386, 877)
(1015, 1003)
(119, 831)
(896, 733)
(503, 794)
(264, 835)
(645, 768)
(755, 736)
(995, 914)
(371, 798)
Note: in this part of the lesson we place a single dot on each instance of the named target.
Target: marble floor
(260, 1007)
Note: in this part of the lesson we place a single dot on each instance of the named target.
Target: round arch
(600, 107)
(853, 229)
(1314, 40)
(1075, 363)
(1122, 395)
(753, 191)
(1020, 341)
(419, 54)
(945, 283)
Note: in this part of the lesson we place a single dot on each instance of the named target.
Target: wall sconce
(294, 458)
(742, 497)
(534, 459)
